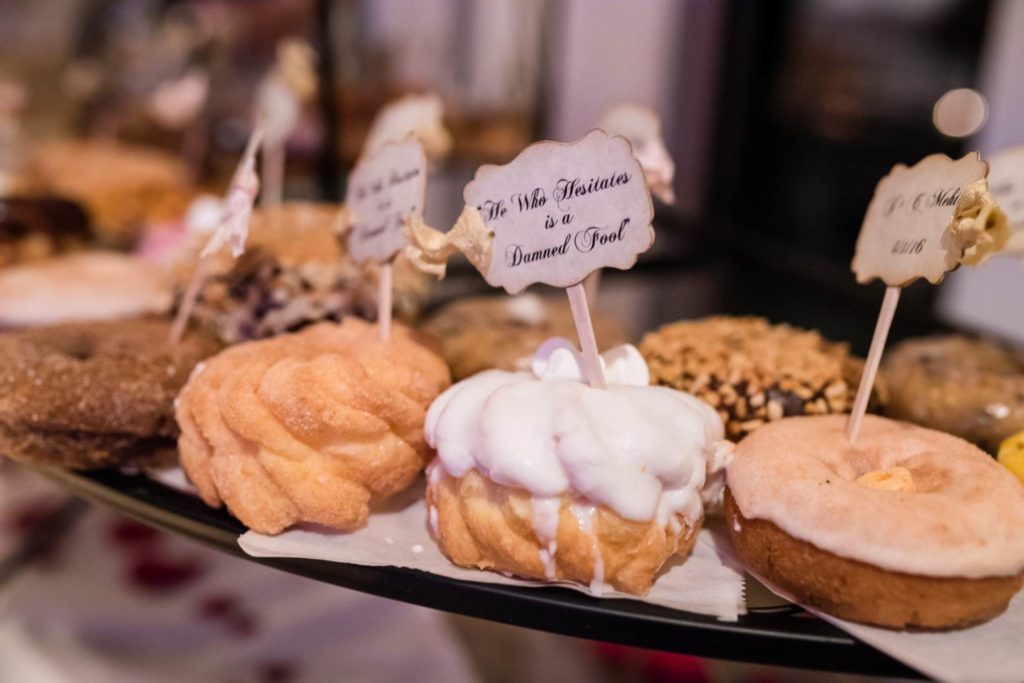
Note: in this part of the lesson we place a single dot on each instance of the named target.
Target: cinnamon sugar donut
(90, 395)
(311, 426)
(907, 528)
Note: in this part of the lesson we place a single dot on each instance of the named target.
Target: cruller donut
(906, 528)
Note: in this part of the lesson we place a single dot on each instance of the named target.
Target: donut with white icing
(906, 528)
(539, 475)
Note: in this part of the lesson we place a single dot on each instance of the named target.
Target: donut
(906, 528)
(93, 395)
(92, 285)
(123, 187)
(542, 476)
(311, 427)
(968, 387)
(753, 372)
(295, 272)
(481, 333)
(33, 228)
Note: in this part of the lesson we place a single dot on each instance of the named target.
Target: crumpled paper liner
(398, 537)
(992, 652)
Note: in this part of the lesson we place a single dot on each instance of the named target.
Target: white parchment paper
(992, 652)
(398, 537)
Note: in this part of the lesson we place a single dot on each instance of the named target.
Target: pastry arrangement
(291, 399)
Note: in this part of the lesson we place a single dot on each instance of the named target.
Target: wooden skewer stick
(867, 378)
(585, 330)
(273, 174)
(219, 237)
(385, 291)
(188, 301)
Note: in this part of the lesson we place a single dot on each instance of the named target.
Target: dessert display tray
(770, 633)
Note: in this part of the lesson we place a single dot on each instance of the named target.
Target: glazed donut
(542, 476)
(968, 387)
(907, 528)
(93, 395)
(489, 526)
(91, 285)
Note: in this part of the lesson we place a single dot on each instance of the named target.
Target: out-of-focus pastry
(90, 285)
(123, 187)
(38, 228)
(309, 427)
(754, 372)
(906, 528)
(968, 387)
(542, 476)
(295, 271)
(90, 395)
(487, 332)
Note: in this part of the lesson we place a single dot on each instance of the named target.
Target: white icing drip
(545, 526)
(585, 518)
(643, 451)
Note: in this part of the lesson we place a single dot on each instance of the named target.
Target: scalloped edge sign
(906, 231)
(385, 189)
(561, 211)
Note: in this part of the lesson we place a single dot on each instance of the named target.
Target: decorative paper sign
(642, 127)
(419, 115)
(383, 191)
(561, 211)
(1006, 183)
(906, 232)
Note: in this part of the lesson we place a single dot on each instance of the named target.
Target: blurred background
(781, 118)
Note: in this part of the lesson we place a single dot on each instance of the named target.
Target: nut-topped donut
(753, 372)
(908, 527)
(89, 395)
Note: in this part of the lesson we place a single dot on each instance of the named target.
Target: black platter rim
(780, 637)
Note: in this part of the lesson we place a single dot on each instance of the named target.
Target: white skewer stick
(867, 378)
(585, 331)
(384, 298)
(233, 227)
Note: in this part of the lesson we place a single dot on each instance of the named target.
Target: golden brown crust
(753, 372)
(92, 395)
(309, 427)
(862, 592)
(482, 333)
(968, 387)
(484, 525)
